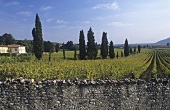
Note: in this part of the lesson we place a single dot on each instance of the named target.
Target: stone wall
(125, 94)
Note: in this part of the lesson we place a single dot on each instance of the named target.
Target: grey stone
(100, 94)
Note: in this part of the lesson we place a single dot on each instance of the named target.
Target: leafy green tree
(38, 44)
(1, 40)
(139, 48)
(57, 47)
(27, 43)
(111, 50)
(7, 39)
(69, 45)
(91, 46)
(126, 48)
(48, 46)
(82, 49)
(104, 46)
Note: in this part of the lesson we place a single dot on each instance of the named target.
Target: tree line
(106, 49)
(86, 51)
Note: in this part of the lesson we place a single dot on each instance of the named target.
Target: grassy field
(147, 64)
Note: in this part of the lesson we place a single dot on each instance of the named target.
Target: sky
(140, 21)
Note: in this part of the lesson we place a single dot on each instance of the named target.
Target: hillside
(164, 41)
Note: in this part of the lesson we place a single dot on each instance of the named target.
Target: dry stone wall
(125, 94)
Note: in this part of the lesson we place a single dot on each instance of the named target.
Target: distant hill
(164, 41)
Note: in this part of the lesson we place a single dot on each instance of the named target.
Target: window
(15, 49)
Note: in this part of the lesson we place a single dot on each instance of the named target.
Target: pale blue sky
(140, 21)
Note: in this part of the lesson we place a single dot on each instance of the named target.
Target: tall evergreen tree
(130, 50)
(104, 46)
(38, 44)
(49, 58)
(139, 48)
(91, 46)
(64, 55)
(117, 55)
(111, 50)
(126, 48)
(57, 46)
(96, 50)
(121, 54)
(82, 49)
(134, 50)
(75, 53)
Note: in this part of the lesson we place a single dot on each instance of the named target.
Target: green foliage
(22, 58)
(7, 39)
(82, 49)
(91, 46)
(121, 54)
(50, 56)
(38, 44)
(139, 48)
(126, 48)
(48, 46)
(152, 62)
(69, 45)
(117, 54)
(57, 47)
(95, 50)
(104, 46)
(64, 55)
(27, 43)
(134, 50)
(1, 40)
(4, 54)
(111, 50)
(75, 54)
(130, 50)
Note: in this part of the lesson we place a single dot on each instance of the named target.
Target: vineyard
(146, 65)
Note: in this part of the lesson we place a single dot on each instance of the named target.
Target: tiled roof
(3, 46)
(12, 46)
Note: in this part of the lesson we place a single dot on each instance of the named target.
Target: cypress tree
(126, 48)
(130, 50)
(49, 58)
(134, 50)
(64, 56)
(91, 46)
(121, 54)
(95, 50)
(75, 53)
(117, 55)
(82, 48)
(38, 44)
(57, 47)
(139, 48)
(104, 46)
(111, 50)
